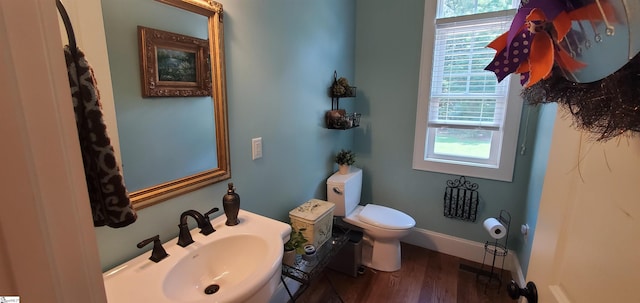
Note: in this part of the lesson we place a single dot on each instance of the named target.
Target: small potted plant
(294, 246)
(345, 158)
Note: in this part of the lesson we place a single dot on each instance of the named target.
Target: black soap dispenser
(231, 205)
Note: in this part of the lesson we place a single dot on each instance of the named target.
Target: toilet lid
(385, 217)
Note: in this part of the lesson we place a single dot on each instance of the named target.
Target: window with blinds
(462, 92)
(467, 104)
(462, 109)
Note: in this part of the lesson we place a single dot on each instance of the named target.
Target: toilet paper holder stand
(493, 249)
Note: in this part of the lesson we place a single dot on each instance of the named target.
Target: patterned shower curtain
(108, 196)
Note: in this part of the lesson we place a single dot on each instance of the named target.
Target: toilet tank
(344, 191)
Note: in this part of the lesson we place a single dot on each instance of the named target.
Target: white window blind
(463, 94)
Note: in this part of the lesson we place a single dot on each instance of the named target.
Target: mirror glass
(169, 145)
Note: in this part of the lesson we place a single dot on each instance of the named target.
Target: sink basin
(223, 264)
(234, 264)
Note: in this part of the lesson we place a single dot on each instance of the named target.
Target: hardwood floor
(426, 276)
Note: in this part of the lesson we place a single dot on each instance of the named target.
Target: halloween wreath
(576, 53)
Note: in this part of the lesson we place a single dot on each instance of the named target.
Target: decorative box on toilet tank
(316, 217)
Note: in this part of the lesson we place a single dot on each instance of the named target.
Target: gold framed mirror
(157, 193)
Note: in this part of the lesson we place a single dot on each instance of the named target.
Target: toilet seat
(385, 217)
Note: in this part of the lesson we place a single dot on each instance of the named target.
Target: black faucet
(158, 252)
(184, 237)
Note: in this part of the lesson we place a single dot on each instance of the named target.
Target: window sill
(461, 163)
(465, 169)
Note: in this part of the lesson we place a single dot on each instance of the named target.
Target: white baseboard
(516, 270)
(461, 248)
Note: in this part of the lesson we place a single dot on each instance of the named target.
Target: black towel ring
(67, 25)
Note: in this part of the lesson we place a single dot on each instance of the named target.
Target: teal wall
(540, 151)
(280, 57)
(388, 44)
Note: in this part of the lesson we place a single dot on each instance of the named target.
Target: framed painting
(173, 65)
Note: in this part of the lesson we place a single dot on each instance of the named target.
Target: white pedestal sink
(234, 264)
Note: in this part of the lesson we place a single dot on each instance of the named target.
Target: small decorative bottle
(231, 205)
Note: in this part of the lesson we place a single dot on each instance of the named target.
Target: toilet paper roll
(495, 228)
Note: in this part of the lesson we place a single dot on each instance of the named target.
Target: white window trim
(511, 125)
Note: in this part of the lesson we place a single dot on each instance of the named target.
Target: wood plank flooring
(426, 276)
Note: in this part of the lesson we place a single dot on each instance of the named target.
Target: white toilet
(383, 226)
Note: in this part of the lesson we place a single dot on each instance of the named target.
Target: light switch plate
(256, 148)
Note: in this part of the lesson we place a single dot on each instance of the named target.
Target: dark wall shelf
(338, 118)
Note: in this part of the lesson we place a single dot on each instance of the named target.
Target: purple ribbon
(510, 58)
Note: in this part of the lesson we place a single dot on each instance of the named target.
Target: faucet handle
(213, 210)
(206, 228)
(158, 252)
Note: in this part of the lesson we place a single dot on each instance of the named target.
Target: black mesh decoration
(607, 108)
(461, 200)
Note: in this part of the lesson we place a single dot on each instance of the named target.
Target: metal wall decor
(461, 200)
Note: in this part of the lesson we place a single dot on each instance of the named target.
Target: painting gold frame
(189, 74)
